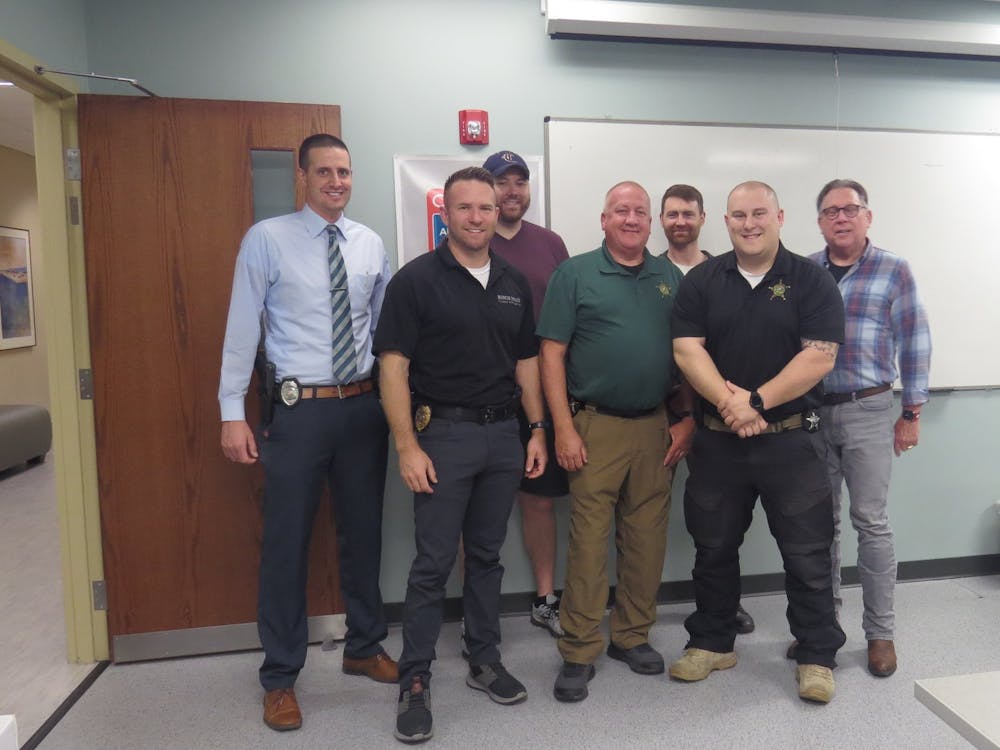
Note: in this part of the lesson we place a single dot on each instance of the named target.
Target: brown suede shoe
(881, 657)
(281, 710)
(379, 667)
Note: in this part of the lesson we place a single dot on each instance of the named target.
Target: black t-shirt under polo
(463, 341)
(752, 333)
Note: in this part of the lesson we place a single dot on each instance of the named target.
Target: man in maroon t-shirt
(535, 251)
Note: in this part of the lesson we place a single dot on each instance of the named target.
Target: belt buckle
(487, 415)
(290, 392)
(340, 392)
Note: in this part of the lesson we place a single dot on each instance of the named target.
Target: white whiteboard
(935, 198)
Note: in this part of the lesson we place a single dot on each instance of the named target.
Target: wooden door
(166, 199)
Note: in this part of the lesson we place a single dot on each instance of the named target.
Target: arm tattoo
(829, 348)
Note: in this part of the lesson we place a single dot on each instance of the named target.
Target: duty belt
(425, 412)
(289, 391)
(832, 399)
(578, 406)
(808, 419)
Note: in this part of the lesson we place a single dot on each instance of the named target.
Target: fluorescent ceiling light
(668, 21)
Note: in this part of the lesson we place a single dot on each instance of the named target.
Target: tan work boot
(697, 664)
(815, 683)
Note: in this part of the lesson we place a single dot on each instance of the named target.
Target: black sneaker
(413, 713)
(571, 684)
(496, 682)
(744, 622)
(641, 659)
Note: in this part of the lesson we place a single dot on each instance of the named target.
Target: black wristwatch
(536, 426)
(911, 416)
(757, 402)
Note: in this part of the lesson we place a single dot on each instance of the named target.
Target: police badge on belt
(289, 391)
(810, 420)
(422, 417)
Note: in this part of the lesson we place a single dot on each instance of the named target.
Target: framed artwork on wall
(17, 314)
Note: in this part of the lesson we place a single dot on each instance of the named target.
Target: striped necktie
(344, 357)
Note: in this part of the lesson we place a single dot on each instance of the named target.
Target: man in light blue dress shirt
(322, 428)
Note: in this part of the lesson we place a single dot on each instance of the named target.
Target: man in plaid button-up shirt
(886, 336)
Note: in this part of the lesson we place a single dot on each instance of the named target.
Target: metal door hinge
(100, 591)
(86, 385)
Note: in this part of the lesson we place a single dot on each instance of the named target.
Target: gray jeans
(859, 436)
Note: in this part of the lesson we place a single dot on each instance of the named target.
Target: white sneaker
(545, 614)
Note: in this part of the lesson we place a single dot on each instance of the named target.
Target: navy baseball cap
(501, 161)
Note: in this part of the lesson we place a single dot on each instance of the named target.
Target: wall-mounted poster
(17, 315)
(419, 183)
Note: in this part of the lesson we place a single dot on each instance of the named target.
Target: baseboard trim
(325, 628)
(674, 592)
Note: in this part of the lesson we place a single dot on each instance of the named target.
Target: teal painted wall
(402, 70)
(52, 31)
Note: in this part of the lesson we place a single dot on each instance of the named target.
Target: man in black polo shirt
(455, 342)
(755, 330)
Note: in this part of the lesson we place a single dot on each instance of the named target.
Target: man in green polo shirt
(606, 366)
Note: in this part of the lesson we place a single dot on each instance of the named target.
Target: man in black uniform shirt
(455, 342)
(755, 330)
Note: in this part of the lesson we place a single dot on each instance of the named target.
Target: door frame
(65, 303)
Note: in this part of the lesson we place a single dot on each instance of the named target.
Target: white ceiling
(16, 119)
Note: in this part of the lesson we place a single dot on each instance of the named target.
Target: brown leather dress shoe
(881, 657)
(281, 710)
(379, 667)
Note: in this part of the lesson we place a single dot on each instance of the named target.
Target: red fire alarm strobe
(473, 127)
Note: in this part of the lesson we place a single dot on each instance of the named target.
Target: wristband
(536, 426)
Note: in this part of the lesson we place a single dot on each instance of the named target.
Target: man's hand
(737, 413)
(907, 435)
(681, 437)
(536, 455)
(571, 453)
(417, 469)
(238, 443)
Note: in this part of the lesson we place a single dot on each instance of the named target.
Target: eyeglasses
(850, 211)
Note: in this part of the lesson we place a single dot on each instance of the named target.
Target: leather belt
(578, 406)
(832, 399)
(793, 422)
(290, 395)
